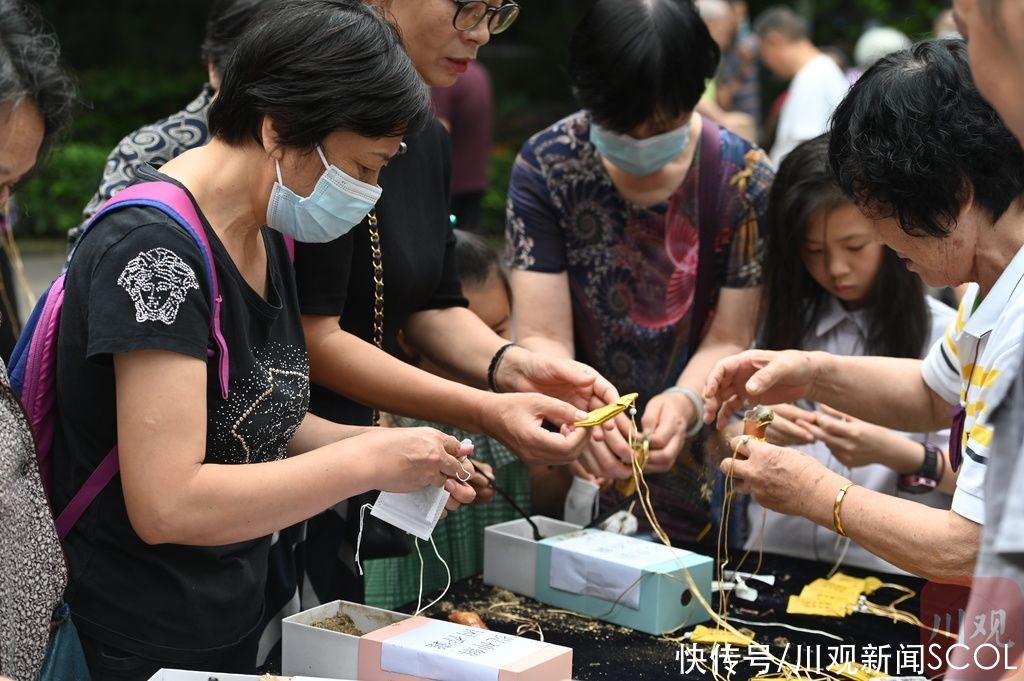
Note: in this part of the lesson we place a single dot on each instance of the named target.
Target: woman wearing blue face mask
(634, 229)
(168, 563)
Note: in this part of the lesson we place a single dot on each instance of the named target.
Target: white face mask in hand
(417, 513)
(582, 501)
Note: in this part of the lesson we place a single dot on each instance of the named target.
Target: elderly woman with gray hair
(35, 104)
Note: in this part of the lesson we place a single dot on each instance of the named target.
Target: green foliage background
(137, 61)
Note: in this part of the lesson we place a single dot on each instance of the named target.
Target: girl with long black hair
(832, 286)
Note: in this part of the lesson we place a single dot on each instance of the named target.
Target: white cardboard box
(309, 651)
(183, 675)
(510, 552)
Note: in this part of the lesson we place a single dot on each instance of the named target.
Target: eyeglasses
(471, 12)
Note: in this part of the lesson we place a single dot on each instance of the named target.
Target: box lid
(435, 649)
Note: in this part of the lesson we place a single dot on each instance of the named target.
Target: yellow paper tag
(856, 671)
(833, 597)
(607, 412)
(830, 589)
(872, 584)
(703, 634)
(857, 584)
(823, 607)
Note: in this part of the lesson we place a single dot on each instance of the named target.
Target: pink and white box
(419, 648)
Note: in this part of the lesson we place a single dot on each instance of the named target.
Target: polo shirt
(996, 606)
(974, 365)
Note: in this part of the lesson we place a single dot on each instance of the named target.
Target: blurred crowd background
(136, 61)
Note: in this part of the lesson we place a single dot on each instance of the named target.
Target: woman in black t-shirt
(168, 567)
(420, 293)
(398, 269)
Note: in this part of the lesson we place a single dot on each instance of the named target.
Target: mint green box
(622, 580)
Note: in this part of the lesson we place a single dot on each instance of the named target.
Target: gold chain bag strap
(377, 260)
(380, 540)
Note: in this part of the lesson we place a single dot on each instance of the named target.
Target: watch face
(916, 484)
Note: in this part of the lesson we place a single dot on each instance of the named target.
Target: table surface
(608, 651)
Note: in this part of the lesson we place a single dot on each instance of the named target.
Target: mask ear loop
(323, 159)
(359, 537)
(448, 583)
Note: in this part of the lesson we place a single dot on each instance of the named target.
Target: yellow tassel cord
(525, 624)
(748, 231)
(726, 632)
(890, 611)
(788, 670)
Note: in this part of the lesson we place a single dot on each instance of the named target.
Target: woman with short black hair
(168, 567)
(634, 232)
(396, 273)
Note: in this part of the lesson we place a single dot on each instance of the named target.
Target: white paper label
(453, 652)
(605, 565)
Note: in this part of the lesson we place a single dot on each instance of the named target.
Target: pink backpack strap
(94, 484)
(177, 204)
(39, 395)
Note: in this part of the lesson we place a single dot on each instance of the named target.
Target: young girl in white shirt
(832, 286)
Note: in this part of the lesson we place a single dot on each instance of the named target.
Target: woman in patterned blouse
(35, 104)
(603, 232)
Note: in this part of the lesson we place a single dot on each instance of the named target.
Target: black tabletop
(608, 651)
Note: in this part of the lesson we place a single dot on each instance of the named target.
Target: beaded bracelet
(492, 370)
(698, 405)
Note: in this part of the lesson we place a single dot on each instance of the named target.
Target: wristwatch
(927, 477)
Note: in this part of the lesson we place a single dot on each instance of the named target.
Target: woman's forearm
(547, 346)
(932, 543)
(456, 340)
(887, 391)
(352, 367)
(213, 505)
(315, 432)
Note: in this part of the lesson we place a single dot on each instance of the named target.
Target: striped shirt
(974, 365)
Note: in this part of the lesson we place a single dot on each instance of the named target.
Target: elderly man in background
(817, 84)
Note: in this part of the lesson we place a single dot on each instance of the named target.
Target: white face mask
(640, 157)
(338, 203)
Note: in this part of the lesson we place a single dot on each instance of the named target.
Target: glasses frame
(490, 16)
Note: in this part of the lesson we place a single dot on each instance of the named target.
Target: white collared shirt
(842, 332)
(975, 364)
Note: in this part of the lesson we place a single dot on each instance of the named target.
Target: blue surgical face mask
(338, 203)
(640, 157)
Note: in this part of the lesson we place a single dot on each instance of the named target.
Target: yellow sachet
(872, 584)
(831, 589)
(823, 607)
(607, 412)
(703, 634)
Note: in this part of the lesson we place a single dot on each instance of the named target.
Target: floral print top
(632, 270)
